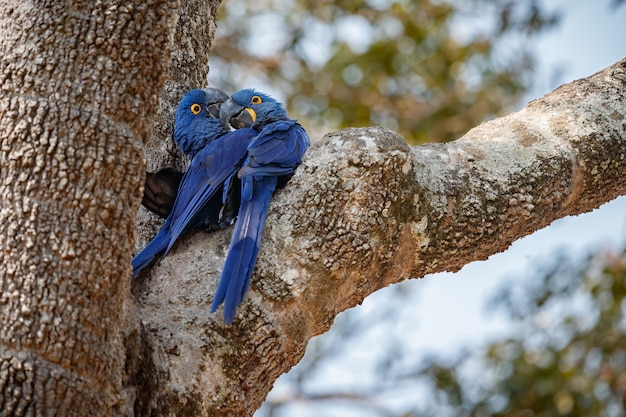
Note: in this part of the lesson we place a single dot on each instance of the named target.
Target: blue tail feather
(244, 246)
(157, 245)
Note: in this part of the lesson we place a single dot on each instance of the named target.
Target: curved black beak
(214, 97)
(235, 116)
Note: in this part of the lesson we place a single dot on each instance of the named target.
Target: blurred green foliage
(427, 69)
(568, 353)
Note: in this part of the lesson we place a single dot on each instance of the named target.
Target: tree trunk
(80, 91)
(80, 85)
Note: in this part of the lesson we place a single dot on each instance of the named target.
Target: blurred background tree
(568, 353)
(428, 69)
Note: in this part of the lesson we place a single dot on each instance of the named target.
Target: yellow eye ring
(195, 108)
(256, 100)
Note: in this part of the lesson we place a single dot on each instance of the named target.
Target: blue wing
(277, 150)
(208, 171)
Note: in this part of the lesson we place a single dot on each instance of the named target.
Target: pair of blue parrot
(241, 149)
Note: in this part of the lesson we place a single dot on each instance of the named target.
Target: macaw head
(250, 108)
(197, 119)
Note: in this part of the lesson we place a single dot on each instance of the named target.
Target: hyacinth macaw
(195, 124)
(208, 178)
(192, 132)
(274, 152)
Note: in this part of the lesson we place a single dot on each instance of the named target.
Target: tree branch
(366, 210)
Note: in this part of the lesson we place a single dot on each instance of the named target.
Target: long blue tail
(244, 245)
(154, 248)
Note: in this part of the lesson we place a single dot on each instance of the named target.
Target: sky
(591, 37)
(445, 312)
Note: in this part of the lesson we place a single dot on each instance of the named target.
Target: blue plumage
(197, 117)
(275, 152)
(216, 157)
(213, 166)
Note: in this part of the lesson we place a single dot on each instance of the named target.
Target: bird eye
(256, 100)
(195, 108)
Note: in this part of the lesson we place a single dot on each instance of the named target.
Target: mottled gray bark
(366, 210)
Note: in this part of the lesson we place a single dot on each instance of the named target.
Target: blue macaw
(192, 132)
(196, 124)
(211, 170)
(273, 153)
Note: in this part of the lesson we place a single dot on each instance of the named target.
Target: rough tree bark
(80, 87)
(80, 84)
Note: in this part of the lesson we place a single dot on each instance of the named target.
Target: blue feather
(197, 124)
(193, 131)
(244, 246)
(208, 171)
